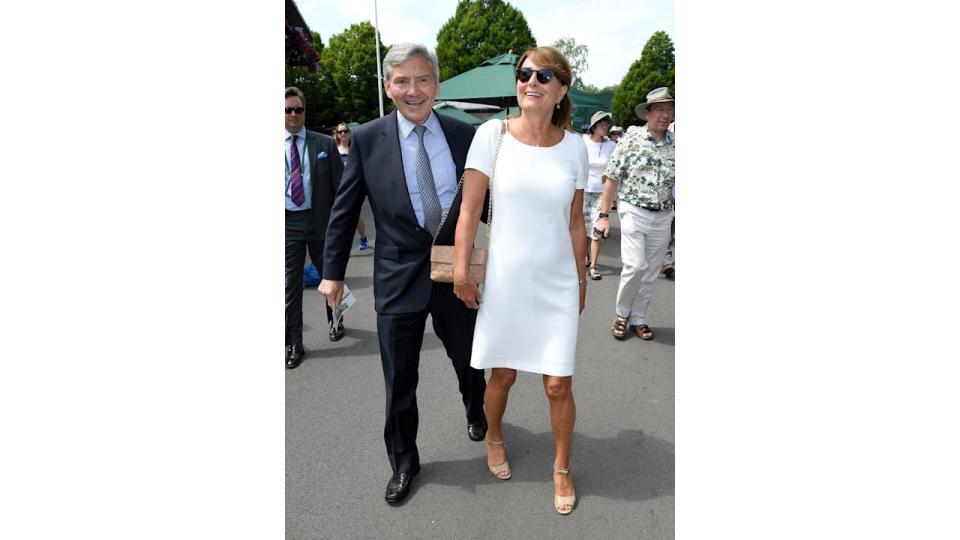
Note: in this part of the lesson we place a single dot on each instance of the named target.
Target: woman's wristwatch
(604, 215)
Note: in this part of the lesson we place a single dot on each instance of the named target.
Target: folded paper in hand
(346, 301)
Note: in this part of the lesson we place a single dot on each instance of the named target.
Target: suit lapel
(311, 149)
(457, 150)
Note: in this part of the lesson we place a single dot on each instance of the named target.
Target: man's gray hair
(401, 52)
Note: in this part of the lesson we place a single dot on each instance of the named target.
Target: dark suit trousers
(401, 337)
(300, 236)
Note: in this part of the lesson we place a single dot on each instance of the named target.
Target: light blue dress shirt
(304, 169)
(441, 162)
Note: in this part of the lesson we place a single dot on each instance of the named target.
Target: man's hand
(602, 229)
(332, 290)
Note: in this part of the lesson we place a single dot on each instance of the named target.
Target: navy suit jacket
(325, 175)
(401, 264)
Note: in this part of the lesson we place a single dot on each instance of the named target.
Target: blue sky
(614, 30)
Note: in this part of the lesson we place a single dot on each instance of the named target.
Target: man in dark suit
(312, 173)
(408, 163)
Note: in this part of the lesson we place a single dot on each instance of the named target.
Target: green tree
(350, 61)
(479, 30)
(317, 42)
(591, 89)
(576, 55)
(318, 91)
(654, 68)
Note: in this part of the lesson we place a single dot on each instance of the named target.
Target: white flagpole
(376, 37)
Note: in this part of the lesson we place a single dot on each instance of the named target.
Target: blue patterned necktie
(428, 191)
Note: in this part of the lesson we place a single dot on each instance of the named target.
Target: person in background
(312, 175)
(643, 167)
(406, 164)
(599, 149)
(615, 133)
(667, 268)
(341, 134)
(532, 298)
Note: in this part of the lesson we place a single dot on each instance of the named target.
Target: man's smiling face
(412, 89)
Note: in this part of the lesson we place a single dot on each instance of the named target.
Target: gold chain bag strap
(441, 257)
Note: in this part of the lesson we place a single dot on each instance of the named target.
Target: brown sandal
(619, 329)
(643, 332)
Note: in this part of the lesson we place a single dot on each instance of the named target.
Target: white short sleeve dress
(531, 295)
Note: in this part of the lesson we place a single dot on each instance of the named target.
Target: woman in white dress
(535, 286)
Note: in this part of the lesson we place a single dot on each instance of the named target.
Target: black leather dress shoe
(476, 432)
(399, 486)
(294, 356)
(336, 333)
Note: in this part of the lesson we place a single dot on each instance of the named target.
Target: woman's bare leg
(563, 414)
(495, 403)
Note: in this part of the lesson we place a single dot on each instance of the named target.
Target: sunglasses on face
(343, 131)
(544, 75)
(293, 110)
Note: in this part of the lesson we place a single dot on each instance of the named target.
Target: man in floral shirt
(642, 166)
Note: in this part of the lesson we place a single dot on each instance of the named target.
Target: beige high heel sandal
(501, 471)
(561, 501)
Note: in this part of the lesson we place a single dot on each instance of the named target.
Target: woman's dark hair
(336, 136)
(548, 57)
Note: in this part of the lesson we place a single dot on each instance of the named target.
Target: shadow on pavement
(357, 342)
(630, 467)
(662, 334)
(607, 270)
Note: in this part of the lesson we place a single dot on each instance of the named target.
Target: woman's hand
(474, 192)
(468, 292)
(583, 297)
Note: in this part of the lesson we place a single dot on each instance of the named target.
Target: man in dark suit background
(312, 173)
(408, 164)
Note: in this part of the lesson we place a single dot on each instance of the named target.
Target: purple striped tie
(296, 177)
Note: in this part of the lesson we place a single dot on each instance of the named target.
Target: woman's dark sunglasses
(544, 75)
(342, 131)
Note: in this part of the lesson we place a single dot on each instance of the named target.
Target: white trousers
(644, 237)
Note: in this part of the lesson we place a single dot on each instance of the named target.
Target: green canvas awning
(459, 114)
(500, 115)
(585, 105)
(493, 83)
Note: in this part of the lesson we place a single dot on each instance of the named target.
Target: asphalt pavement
(622, 460)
